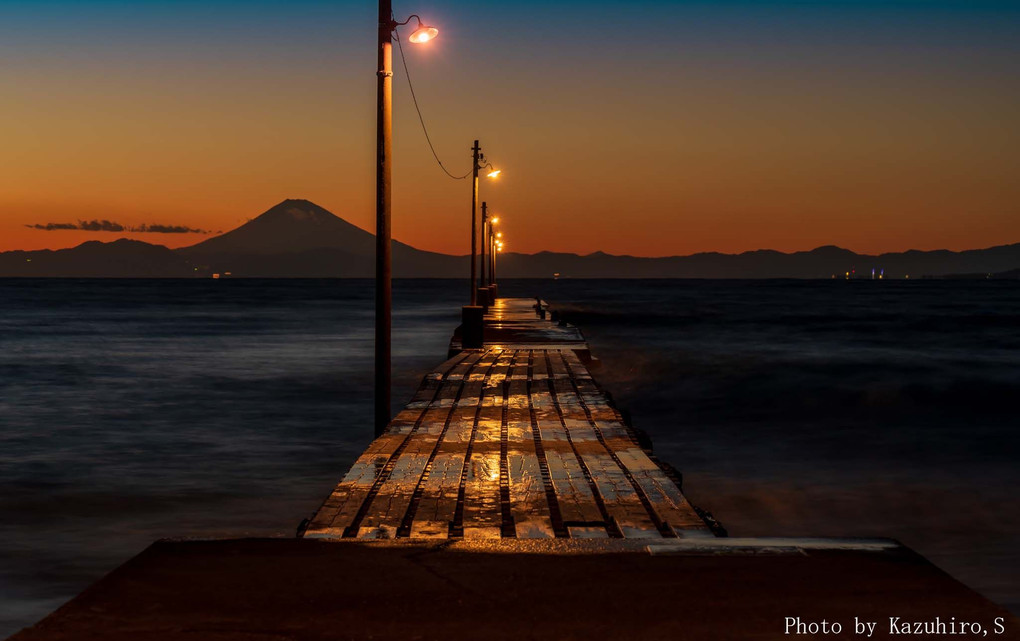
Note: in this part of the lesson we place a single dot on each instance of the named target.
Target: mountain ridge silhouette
(297, 238)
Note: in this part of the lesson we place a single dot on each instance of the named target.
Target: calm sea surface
(135, 410)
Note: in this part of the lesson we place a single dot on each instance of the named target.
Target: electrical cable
(407, 74)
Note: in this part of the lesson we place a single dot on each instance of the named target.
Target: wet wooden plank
(529, 505)
(620, 492)
(439, 496)
(665, 498)
(340, 509)
(387, 509)
(576, 501)
(619, 497)
(663, 494)
(482, 511)
(539, 366)
(440, 488)
(573, 494)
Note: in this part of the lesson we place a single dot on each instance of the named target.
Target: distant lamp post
(477, 160)
(497, 248)
(485, 243)
(472, 316)
(488, 250)
(490, 239)
(383, 203)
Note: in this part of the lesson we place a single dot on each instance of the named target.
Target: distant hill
(297, 238)
(122, 258)
(823, 262)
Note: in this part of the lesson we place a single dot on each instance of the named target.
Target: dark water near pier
(134, 410)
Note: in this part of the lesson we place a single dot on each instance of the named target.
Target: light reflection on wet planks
(507, 443)
(514, 323)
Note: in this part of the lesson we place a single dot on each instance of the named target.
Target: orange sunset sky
(644, 128)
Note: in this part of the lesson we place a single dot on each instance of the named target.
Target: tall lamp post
(476, 157)
(383, 203)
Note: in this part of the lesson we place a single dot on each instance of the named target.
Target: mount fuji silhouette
(299, 239)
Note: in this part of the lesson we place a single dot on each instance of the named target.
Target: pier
(507, 500)
(514, 440)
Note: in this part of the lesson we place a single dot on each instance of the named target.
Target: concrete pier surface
(276, 589)
(509, 499)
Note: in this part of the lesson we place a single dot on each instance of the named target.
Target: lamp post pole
(383, 213)
(482, 259)
(474, 229)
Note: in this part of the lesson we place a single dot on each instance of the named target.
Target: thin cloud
(53, 226)
(99, 225)
(109, 225)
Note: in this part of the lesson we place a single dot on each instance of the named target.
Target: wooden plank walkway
(515, 440)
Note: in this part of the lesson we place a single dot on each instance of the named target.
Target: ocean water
(132, 410)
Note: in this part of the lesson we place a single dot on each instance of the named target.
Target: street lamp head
(494, 173)
(499, 234)
(423, 33)
(494, 220)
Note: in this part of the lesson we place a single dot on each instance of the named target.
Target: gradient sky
(646, 128)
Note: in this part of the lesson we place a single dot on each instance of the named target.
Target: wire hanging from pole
(407, 74)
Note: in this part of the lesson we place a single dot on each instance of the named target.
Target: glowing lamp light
(494, 173)
(494, 221)
(499, 234)
(423, 33)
